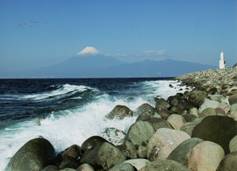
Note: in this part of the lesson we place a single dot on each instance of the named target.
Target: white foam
(69, 127)
(66, 88)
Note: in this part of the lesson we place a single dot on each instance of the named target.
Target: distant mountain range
(106, 66)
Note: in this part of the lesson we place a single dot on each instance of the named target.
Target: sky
(41, 33)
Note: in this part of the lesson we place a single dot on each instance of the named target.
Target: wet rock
(197, 97)
(189, 117)
(85, 167)
(146, 111)
(164, 165)
(34, 156)
(193, 111)
(214, 128)
(163, 142)
(233, 99)
(120, 112)
(113, 135)
(205, 156)
(91, 143)
(128, 149)
(228, 163)
(138, 163)
(123, 167)
(103, 156)
(139, 133)
(162, 107)
(73, 151)
(67, 169)
(68, 162)
(233, 144)
(176, 121)
(181, 152)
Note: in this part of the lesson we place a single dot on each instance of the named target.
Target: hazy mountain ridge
(106, 66)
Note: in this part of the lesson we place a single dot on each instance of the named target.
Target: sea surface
(68, 111)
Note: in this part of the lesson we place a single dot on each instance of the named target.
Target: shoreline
(170, 134)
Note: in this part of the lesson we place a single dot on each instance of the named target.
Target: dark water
(27, 98)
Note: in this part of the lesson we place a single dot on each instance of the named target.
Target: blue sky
(39, 33)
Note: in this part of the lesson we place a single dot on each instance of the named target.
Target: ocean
(68, 111)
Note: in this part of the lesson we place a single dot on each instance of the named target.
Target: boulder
(208, 104)
(139, 133)
(123, 167)
(176, 121)
(162, 107)
(128, 149)
(205, 156)
(189, 117)
(189, 126)
(229, 163)
(138, 163)
(91, 143)
(120, 112)
(233, 144)
(196, 97)
(50, 168)
(158, 123)
(34, 156)
(85, 167)
(208, 112)
(73, 151)
(181, 152)
(193, 111)
(214, 128)
(103, 156)
(164, 165)
(233, 99)
(113, 135)
(67, 169)
(146, 111)
(68, 162)
(163, 142)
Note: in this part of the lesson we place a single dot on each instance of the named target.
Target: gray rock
(128, 149)
(205, 156)
(208, 104)
(33, 156)
(146, 111)
(163, 142)
(189, 126)
(139, 133)
(50, 168)
(208, 112)
(138, 163)
(67, 169)
(228, 163)
(123, 167)
(103, 156)
(233, 99)
(85, 167)
(92, 143)
(180, 153)
(113, 135)
(214, 128)
(120, 112)
(164, 165)
(158, 123)
(73, 151)
(176, 121)
(196, 97)
(233, 144)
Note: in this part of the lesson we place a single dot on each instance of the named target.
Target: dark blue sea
(67, 111)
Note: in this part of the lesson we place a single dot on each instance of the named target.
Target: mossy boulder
(218, 129)
(33, 156)
(229, 163)
(164, 165)
(120, 112)
(196, 97)
(181, 152)
(146, 111)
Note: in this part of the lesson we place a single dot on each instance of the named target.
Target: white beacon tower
(222, 61)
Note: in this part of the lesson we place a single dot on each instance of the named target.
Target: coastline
(180, 133)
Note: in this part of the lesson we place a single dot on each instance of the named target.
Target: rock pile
(192, 131)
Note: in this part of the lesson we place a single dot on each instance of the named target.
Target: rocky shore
(191, 131)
